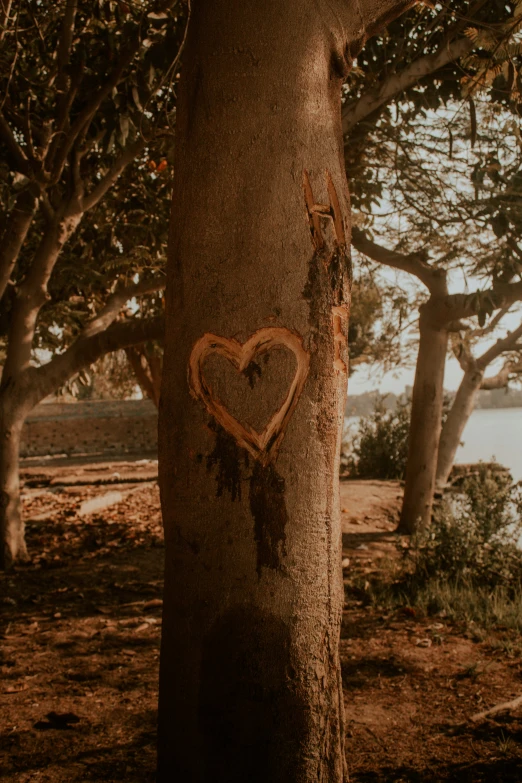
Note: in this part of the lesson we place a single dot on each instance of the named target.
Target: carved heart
(262, 445)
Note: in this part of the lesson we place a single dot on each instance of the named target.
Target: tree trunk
(14, 235)
(252, 401)
(146, 366)
(426, 419)
(454, 425)
(14, 407)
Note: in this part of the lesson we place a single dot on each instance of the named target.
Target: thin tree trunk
(425, 428)
(454, 425)
(146, 366)
(253, 395)
(14, 406)
(14, 236)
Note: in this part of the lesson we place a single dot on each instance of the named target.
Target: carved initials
(316, 211)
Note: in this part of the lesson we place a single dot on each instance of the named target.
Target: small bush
(380, 446)
(468, 566)
(473, 538)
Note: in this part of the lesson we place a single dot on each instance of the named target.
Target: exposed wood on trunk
(264, 445)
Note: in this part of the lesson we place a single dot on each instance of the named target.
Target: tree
(440, 315)
(83, 104)
(253, 394)
(414, 70)
(420, 66)
(39, 41)
(472, 382)
(471, 173)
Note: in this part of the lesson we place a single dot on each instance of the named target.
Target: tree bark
(15, 403)
(426, 419)
(454, 425)
(253, 394)
(250, 683)
(14, 235)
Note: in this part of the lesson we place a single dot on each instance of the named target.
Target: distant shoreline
(496, 399)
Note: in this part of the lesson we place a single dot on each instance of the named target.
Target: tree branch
(116, 301)
(65, 43)
(514, 246)
(5, 10)
(374, 16)
(32, 293)
(462, 353)
(508, 343)
(492, 324)
(434, 279)
(18, 155)
(107, 181)
(83, 120)
(145, 374)
(458, 306)
(354, 112)
(86, 350)
(501, 379)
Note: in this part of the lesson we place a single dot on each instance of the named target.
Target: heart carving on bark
(262, 445)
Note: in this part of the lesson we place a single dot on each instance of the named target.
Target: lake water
(491, 432)
(494, 432)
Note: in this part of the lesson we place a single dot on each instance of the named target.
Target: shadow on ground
(79, 645)
(496, 771)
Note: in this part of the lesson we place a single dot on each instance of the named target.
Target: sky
(370, 378)
(365, 380)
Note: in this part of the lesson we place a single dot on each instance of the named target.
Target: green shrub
(473, 537)
(380, 446)
(468, 566)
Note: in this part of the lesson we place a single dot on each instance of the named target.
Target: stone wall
(104, 427)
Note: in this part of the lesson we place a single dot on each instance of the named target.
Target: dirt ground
(79, 647)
